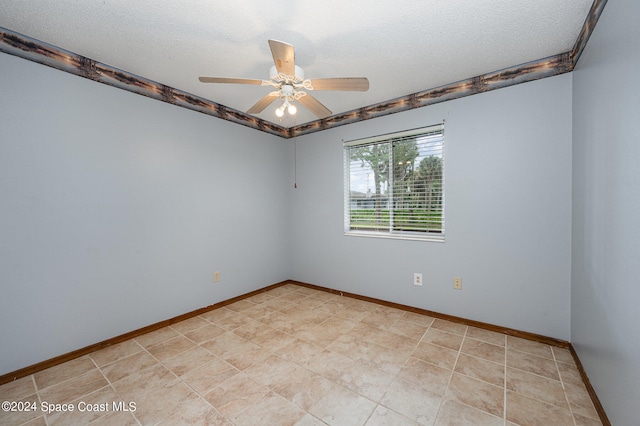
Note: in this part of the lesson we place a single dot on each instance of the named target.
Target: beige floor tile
(423, 320)
(271, 409)
(102, 399)
(240, 305)
(356, 314)
(526, 411)
(378, 320)
(384, 359)
(437, 355)
(128, 366)
(196, 412)
(331, 307)
(443, 338)
(340, 324)
(137, 385)
(487, 336)
(413, 400)
(293, 296)
(161, 402)
(484, 350)
(536, 387)
(300, 356)
(563, 355)
(114, 353)
(569, 373)
(217, 314)
(382, 416)
(299, 351)
(283, 289)
(481, 369)
(302, 387)
(408, 329)
(69, 390)
(448, 326)
(120, 418)
(258, 312)
(278, 305)
(18, 413)
(293, 325)
(261, 297)
(62, 372)
(365, 380)
(203, 378)
(274, 340)
(340, 406)
(586, 421)
(270, 369)
(580, 401)
(204, 334)
(366, 332)
(171, 348)
(323, 295)
(188, 360)
(228, 343)
(533, 364)
(397, 342)
(38, 421)
(321, 335)
(330, 365)
(189, 324)
(157, 336)
(252, 329)
(235, 395)
(529, 346)
(312, 304)
(17, 389)
(477, 394)
(246, 356)
(389, 312)
(313, 316)
(309, 420)
(231, 321)
(418, 371)
(454, 413)
(348, 346)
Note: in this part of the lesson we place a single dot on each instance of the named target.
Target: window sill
(436, 238)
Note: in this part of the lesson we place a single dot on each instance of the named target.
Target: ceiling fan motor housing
(275, 76)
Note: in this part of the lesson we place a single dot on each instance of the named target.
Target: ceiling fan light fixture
(291, 109)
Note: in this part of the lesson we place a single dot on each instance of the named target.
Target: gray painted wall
(508, 213)
(115, 210)
(606, 201)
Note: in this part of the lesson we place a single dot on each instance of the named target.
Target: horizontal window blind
(394, 185)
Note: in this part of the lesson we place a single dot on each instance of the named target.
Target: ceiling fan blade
(360, 84)
(315, 106)
(283, 57)
(230, 80)
(263, 103)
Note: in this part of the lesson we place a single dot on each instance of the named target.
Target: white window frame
(436, 236)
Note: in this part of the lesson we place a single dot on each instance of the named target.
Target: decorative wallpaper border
(64, 60)
(25, 47)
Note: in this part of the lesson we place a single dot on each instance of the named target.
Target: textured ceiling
(402, 47)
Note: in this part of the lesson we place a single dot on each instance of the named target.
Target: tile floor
(297, 356)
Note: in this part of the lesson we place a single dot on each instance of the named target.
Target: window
(394, 185)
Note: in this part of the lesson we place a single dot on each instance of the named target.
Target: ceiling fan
(291, 85)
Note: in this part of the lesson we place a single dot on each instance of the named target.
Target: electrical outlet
(457, 283)
(417, 279)
(216, 277)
